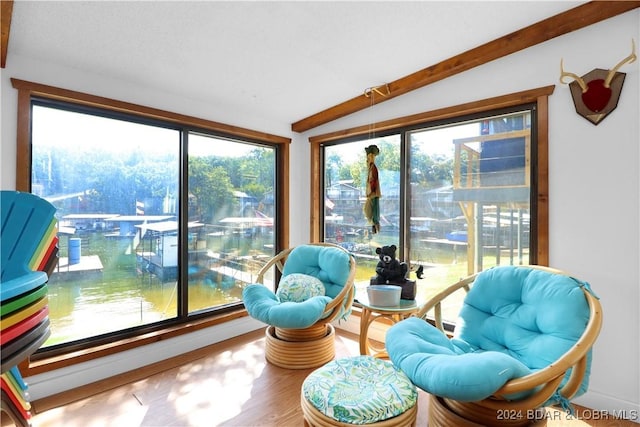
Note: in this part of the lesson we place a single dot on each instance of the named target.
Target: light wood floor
(232, 385)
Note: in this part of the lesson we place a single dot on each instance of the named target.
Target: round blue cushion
(514, 321)
(429, 358)
(329, 264)
(262, 304)
(532, 315)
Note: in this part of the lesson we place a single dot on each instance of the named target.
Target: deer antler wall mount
(596, 94)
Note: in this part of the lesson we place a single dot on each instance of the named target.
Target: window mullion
(183, 228)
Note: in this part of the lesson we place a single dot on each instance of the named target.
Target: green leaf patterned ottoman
(360, 390)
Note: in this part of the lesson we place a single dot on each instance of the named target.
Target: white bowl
(384, 295)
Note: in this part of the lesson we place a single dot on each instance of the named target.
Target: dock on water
(89, 264)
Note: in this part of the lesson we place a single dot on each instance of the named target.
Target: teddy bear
(389, 269)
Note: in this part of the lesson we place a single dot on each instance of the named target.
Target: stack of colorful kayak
(29, 254)
(15, 398)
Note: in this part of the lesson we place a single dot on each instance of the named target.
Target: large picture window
(459, 195)
(113, 183)
(116, 187)
(163, 219)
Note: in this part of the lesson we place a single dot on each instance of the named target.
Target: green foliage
(211, 186)
(389, 157)
(427, 170)
(112, 182)
(333, 164)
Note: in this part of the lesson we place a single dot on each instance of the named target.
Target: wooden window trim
(6, 11)
(538, 95)
(28, 90)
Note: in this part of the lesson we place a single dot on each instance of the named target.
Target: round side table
(371, 313)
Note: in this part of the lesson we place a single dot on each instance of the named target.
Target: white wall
(593, 173)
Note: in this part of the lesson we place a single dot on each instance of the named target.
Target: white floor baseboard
(605, 407)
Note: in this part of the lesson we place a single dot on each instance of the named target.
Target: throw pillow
(297, 287)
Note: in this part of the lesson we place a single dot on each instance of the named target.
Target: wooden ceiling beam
(6, 10)
(557, 25)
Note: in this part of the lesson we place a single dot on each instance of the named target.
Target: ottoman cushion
(359, 390)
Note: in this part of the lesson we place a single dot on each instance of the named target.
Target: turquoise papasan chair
(315, 288)
(522, 341)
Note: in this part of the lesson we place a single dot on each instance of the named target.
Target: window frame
(117, 342)
(538, 97)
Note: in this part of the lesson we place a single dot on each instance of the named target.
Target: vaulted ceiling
(284, 61)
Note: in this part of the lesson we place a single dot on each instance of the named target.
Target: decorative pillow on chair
(297, 287)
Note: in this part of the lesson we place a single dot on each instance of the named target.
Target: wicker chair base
(312, 333)
(300, 354)
(447, 412)
(315, 418)
(441, 416)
